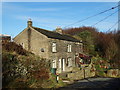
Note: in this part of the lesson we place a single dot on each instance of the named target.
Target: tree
(74, 31)
(87, 41)
(106, 45)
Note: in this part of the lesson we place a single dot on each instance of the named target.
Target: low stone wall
(76, 75)
(81, 74)
(87, 72)
(113, 73)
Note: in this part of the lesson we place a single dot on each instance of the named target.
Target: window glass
(69, 48)
(54, 47)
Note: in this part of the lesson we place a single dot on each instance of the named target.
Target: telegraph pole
(119, 15)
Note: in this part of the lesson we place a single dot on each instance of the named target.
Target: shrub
(13, 47)
(10, 68)
(21, 71)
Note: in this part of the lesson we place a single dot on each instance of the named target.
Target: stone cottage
(59, 48)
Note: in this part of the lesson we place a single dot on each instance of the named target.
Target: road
(92, 83)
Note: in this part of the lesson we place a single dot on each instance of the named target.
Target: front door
(60, 65)
(63, 64)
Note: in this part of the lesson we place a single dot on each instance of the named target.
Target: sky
(49, 15)
(60, 0)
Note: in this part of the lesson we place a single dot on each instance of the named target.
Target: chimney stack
(59, 30)
(29, 23)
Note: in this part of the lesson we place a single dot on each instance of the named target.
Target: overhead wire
(113, 25)
(105, 18)
(91, 16)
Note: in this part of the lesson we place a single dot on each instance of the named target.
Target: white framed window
(69, 60)
(54, 49)
(69, 48)
(54, 63)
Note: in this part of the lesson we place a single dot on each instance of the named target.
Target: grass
(52, 82)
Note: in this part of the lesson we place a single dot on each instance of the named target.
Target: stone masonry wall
(62, 52)
(81, 74)
(113, 73)
(22, 39)
(38, 43)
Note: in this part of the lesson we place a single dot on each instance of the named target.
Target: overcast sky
(49, 15)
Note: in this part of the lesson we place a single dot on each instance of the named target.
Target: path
(92, 83)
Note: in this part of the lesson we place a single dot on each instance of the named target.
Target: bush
(21, 71)
(10, 67)
(101, 65)
(13, 47)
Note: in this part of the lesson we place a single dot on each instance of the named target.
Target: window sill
(54, 52)
(68, 52)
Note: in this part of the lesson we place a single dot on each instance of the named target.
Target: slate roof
(55, 35)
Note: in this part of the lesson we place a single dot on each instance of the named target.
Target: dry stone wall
(113, 73)
(81, 74)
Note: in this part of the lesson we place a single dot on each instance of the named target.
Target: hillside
(104, 45)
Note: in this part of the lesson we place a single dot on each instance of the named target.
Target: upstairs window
(69, 48)
(54, 49)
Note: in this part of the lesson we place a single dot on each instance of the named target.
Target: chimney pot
(59, 30)
(29, 22)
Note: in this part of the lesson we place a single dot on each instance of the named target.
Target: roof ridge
(43, 29)
(50, 31)
(53, 31)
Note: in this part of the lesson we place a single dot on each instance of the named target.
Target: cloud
(52, 23)
(36, 19)
(23, 8)
(46, 22)
(44, 9)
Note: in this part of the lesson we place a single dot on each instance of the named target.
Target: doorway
(61, 65)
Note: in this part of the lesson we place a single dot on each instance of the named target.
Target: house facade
(59, 48)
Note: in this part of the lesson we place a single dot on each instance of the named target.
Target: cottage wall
(39, 44)
(33, 41)
(22, 39)
(62, 52)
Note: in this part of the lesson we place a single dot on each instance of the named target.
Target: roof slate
(55, 35)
